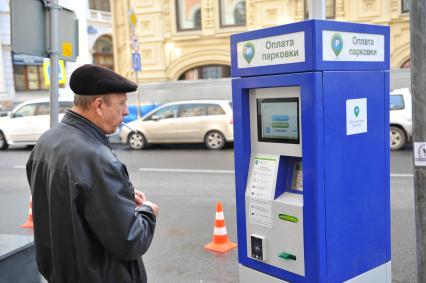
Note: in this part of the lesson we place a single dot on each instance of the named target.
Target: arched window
(406, 64)
(206, 72)
(197, 18)
(232, 13)
(103, 52)
(100, 5)
(188, 14)
(405, 6)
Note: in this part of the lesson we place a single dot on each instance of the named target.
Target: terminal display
(278, 120)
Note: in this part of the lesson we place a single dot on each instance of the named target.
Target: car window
(24, 111)
(191, 110)
(165, 112)
(215, 109)
(42, 109)
(64, 105)
(396, 102)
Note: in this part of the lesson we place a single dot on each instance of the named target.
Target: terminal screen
(278, 120)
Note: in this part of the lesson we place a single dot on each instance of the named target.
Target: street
(186, 182)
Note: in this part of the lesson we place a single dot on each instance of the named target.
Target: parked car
(400, 118)
(197, 121)
(28, 121)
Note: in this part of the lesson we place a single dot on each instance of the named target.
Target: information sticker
(356, 116)
(261, 190)
(420, 154)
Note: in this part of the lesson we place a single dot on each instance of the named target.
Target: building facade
(22, 76)
(189, 39)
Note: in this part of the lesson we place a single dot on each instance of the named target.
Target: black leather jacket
(87, 227)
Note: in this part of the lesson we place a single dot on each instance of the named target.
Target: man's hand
(153, 206)
(140, 197)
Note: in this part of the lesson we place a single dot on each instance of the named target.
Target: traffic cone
(220, 241)
(29, 223)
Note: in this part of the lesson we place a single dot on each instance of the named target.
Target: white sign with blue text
(356, 116)
(274, 50)
(351, 46)
(420, 154)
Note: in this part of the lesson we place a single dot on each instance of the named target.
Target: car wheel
(397, 138)
(137, 140)
(3, 142)
(214, 140)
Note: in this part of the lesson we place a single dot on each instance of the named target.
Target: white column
(317, 9)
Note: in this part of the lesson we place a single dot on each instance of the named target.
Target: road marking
(186, 170)
(402, 175)
(208, 171)
(19, 166)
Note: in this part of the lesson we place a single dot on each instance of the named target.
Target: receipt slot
(311, 141)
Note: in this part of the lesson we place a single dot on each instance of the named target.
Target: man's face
(113, 112)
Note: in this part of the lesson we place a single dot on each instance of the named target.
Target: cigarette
(125, 125)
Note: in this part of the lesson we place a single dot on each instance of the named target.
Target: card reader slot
(287, 256)
(287, 217)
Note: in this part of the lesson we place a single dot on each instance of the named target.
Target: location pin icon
(356, 111)
(248, 51)
(336, 43)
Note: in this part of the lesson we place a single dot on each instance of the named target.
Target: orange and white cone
(220, 241)
(29, 223)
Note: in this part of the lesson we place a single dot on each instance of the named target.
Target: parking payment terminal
(311, 141)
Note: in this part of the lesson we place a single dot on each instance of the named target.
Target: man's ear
(97, 105)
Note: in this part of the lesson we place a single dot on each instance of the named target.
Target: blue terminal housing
(339, 75)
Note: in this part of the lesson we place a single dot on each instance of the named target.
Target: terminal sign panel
(351, 46)
(274, 50)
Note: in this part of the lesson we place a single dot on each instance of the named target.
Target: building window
(206, 72)
(100, 5)
(103, 52)
(28, 77)
(330, 9)
(232, 13)
(405, 6)
(406, 64)
(188, 13)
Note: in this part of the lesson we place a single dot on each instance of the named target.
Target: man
(90, 225)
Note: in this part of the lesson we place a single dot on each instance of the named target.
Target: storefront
(28, 72)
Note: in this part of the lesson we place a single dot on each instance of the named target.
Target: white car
(28, 121)
(400, 118)
(196, 121)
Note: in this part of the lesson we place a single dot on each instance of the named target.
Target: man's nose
(126, 111)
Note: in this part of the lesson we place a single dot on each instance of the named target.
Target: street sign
(132, 19)
(28, 27)
(135, 43)
(136, 60)
(61, 72)
(30, 24)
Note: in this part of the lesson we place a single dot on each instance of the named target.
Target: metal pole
(418, 88)
(54, 54)
(317, 9)
(138, 110)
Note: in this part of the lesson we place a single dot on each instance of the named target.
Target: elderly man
(90, 225)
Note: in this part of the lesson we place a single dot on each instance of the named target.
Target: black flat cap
(96, 80)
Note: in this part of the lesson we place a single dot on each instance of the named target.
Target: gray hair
(84, 101)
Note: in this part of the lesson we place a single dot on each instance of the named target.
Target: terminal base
(381, 274)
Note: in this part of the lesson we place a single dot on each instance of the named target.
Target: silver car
(400, 118)
(28, 121)
(196, 121)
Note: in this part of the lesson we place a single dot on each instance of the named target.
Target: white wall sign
(350, 46)
(420, 154)
(275, 50)
(356, 116)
